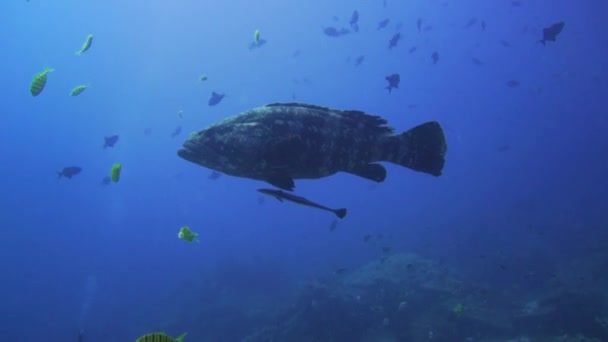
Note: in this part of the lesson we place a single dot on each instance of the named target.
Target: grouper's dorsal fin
(377, 123)
(297, 104)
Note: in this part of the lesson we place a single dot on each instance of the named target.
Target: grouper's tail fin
(422, 148)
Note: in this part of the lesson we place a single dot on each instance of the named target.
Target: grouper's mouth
(196, 153)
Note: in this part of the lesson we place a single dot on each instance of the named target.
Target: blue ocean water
(517, 220)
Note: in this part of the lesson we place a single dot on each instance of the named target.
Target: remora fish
(282, 195)
(280, 142)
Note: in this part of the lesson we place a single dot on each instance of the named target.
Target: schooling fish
(86, 45)
(214, 175)
(39, 82)
(393, 82)
(69, 171)
(280, 142)
(105, 181)
(176, 131)
(282, 195)
(335, 32)
(215, 98)
(394, 40)
(550, 33)
(359, 60)
(110, 141)
(383, 24)
(78, 90)
(354, 21)
(435, 57)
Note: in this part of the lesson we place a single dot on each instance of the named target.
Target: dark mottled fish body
(69, 172)
(280, 142)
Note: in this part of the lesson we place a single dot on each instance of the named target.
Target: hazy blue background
(72, 250)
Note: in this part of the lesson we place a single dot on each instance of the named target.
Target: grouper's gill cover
(285, 141)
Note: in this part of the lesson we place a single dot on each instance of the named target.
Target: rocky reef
(407, 298)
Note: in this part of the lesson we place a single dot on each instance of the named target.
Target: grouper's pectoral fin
(282, 182)
(375, 172)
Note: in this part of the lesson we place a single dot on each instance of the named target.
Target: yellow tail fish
(79, 89)
(86, 45)
(39, 82)
(115, 172)
(256, 37)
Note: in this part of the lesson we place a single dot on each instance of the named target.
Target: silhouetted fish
(340, 271)
(214, 175)
(282, 195)
(504, 43)
(503, 148)
(110, 141)
(551, 32)
(383, 23)
(470, 23)
(354, 21)
(476, 61)
(483, 25)
(393, 81)
(215, 98)
(333, 225)
(80, 336)
(69, 171)
(359, 60)
(257, 45)
(280, 142)
(394, 40)
(413, 49)
(435, 57)
(334, 32)
(176, 131)
(107, 180)
(419, 25)
(512, 83)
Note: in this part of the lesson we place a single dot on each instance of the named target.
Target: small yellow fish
(86, 45)
(203, 77)
(186, 234)
(79, 89)
(160, 337)
(180, 114)
(39, 82)
(256, 37)
(115, 172)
